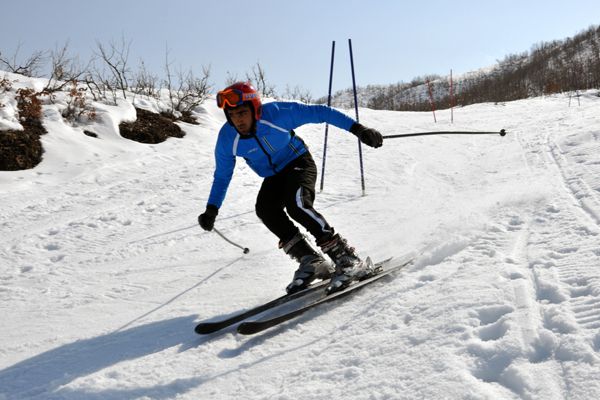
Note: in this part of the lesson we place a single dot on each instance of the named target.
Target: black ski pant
(292, 189)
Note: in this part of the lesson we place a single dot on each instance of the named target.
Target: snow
(104, 271)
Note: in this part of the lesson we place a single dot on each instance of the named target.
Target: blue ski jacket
(273, 146)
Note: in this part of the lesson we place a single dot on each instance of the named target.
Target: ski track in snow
(104, 274)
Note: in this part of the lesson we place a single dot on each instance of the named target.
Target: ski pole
(360, 157)
(329, 105)
(501, 133)
(245, 249)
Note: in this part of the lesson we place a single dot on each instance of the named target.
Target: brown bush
(77, 105)
(150, 128)
(29, 105)
(21, 149)
(5, 85)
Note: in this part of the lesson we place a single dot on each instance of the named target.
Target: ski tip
(205, 328)
(200, 329)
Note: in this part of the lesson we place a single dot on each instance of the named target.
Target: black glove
(368, 136)
(207, 219)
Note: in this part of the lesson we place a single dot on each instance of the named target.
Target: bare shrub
(145, 83)
(258, 78)
(100, 86)
(192, 91)
(298, 93)
(77, 105)
(30, 66)
(231, 79)
(64, 69)
(116, 57)
(185, 90)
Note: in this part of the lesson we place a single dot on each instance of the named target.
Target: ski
(251, 327)
(204, 328)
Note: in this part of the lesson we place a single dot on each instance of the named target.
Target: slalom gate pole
(245, 249)
(362, 171)
(451, 99)
(327, 125)
(502, 132)
(431, 101)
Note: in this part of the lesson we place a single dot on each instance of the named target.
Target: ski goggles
(233, 97)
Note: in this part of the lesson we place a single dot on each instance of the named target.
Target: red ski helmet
(238, 94)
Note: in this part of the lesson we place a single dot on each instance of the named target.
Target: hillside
(104, 271)
(560, 66)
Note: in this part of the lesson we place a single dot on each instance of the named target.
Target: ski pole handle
(245, 249)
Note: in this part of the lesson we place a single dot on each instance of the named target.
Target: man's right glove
(368, 136)
(207, 219)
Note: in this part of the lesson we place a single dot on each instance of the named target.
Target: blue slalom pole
(327, 125)
(362, 171)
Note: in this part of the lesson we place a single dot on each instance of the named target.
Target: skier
(263, 134)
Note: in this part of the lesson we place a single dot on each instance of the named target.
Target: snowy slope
(104, 271)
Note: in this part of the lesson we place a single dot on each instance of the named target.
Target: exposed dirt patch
(21, 149)
(90, 134)
(150, 128)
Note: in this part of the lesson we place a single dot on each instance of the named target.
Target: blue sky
(392, 40)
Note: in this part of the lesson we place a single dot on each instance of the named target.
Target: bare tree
(116, 57)
(29, 67)
(298, 93)
(145, 83)
(185, 90)
(94, 87)
(101, 85)
(192, 91)
(258, 77)
(231, 78)
(64, 69)
(168, 82)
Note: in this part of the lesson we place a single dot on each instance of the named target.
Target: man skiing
(263, 134)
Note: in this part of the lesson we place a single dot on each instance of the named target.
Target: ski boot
(312, 264)
(348, 266)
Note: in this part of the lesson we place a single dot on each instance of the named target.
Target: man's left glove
(207, 219)
(368, 136)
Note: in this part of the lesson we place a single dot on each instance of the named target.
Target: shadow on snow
(44, 374)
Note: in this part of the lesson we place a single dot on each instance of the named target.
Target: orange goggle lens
(229, 97)
(233, 97)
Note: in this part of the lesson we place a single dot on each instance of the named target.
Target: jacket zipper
(266, 153)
